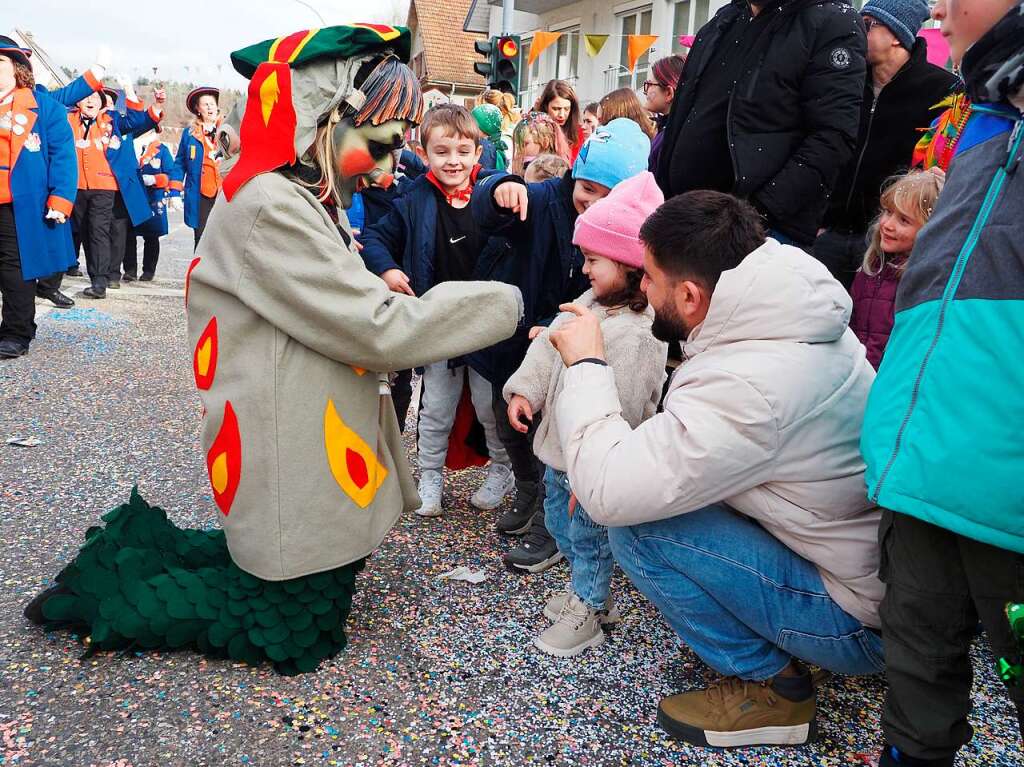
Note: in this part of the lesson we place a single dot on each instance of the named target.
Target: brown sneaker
(733, 712)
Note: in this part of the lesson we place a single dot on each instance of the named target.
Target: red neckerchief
(458, 194)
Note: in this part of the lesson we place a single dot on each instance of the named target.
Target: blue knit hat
(613, 153)
(903, 17)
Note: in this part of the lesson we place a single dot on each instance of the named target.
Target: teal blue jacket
(942, 436)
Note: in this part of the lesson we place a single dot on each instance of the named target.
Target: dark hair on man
(700, 234)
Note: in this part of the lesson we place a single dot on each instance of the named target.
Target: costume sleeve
(135, 121)
(717, 438)
(76, 90)
(411, 165)
(384, 242)
(178, 177)
(62, 163)
(830, 101)
(170, 167)
(488, 216)
(298, 275)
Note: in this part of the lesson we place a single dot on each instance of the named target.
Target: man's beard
(668, 325)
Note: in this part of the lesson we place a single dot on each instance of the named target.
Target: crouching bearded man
(291, 341)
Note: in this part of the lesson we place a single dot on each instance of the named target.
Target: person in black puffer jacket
(900, 91)
(768, 109)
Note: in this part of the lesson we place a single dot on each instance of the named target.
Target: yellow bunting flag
(594, 43)
(637, 46)
(541, 40)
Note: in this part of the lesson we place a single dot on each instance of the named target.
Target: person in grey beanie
(900, 92)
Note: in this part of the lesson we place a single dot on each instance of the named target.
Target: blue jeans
(742, 600)
(583, 542)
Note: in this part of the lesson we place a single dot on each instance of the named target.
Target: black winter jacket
(890, 126)
(792, 114)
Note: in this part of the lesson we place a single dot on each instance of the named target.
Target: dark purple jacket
(874, 301)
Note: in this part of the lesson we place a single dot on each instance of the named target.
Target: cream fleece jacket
(636, 358)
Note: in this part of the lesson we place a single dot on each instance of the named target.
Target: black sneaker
(529, 501)
(95, 292)
(146, 277)
(129, 278)
(536, 553)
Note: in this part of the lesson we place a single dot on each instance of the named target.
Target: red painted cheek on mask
(354, 162)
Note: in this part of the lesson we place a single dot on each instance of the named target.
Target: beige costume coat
(291, 336)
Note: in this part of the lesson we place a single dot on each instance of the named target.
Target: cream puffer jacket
(765, 415)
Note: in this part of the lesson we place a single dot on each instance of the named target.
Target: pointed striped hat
(297, 80)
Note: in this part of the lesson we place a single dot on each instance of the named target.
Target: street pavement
(436, 672)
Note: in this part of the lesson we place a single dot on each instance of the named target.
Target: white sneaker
(496, 486)
(577, 629)
(553, 608)
(431, 490)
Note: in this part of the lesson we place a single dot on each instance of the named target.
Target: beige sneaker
(553, 608)
(733, 712)
(577, 628)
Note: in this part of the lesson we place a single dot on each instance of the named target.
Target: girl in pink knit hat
(608, 233)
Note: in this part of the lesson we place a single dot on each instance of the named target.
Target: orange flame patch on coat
(353, 463)
(224, 461)
(188, 278)
(204, 358)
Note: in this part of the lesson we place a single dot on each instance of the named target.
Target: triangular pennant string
(637, 46)
(541, 41)
(594, 43)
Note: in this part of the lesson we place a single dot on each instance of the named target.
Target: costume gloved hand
(55, 215)
(127, 86)
(148, 179)
(103, 57)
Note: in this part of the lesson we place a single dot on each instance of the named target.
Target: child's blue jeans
(583, 542)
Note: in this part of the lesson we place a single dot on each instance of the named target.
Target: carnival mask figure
(291, 342)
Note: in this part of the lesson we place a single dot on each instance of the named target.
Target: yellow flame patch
(269, 92)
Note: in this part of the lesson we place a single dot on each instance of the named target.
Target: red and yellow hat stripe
(287, 49)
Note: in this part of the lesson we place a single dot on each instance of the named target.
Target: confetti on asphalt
(435, 673)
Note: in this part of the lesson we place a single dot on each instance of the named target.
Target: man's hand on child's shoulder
(398, 281)
(512, 196)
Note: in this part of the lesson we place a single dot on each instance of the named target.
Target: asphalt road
(436, 673)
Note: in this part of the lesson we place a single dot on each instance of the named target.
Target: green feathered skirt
(141, 582)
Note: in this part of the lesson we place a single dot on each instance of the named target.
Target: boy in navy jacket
(430, 236)
(538, 222)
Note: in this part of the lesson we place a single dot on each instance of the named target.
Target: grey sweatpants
(442, 388)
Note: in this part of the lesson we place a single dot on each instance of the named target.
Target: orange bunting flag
(541, 41)
(637, 46)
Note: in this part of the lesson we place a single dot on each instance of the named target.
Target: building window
(680, 24)
(634, 23)
(568, 58)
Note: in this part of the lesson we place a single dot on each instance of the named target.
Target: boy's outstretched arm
(490, 213)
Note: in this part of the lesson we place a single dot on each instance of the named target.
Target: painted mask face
(366, 156)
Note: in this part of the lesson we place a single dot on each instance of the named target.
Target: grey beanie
(903, 17)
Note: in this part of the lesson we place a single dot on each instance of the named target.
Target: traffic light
(508, 58)
(486, 49)
(504, 58)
